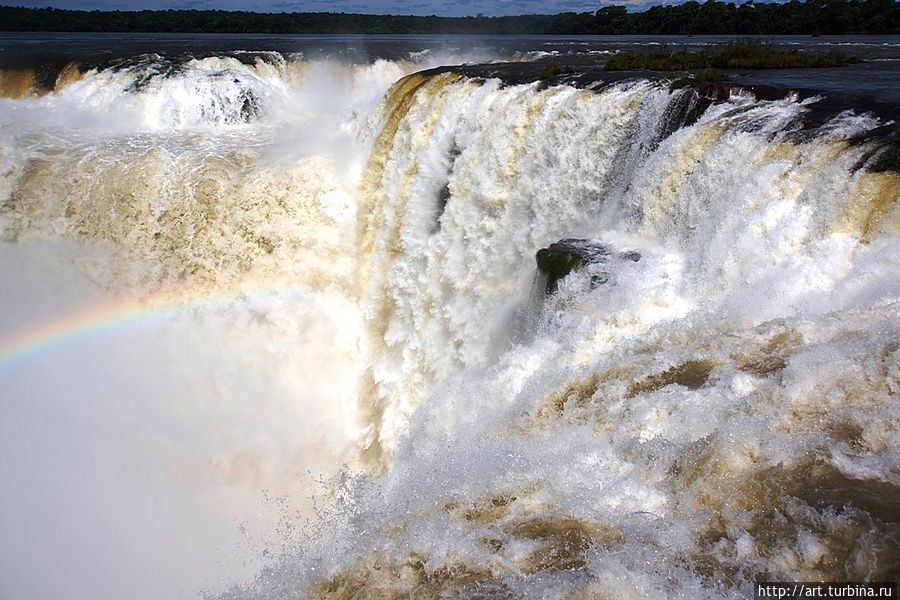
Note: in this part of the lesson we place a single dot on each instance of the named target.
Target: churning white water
(306, 264)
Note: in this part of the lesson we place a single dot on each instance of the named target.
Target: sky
(414, 7)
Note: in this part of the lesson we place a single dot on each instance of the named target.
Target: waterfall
(705, 396)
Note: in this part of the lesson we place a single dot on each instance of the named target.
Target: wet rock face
(565, 256)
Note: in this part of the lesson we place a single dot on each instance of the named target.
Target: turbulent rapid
(347, 317)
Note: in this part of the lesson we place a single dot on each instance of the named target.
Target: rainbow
(100, 318)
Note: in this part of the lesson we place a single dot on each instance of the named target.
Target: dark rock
(250, 107)
(562, 257)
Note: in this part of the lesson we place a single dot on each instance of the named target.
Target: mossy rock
(568, 255)
(556, 265)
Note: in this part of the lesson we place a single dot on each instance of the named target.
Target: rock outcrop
(567, 255)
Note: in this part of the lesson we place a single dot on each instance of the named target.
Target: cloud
(429, 7)
(193, 4)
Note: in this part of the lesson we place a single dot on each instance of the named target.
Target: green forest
(813, 17)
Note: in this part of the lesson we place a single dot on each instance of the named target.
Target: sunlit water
(271, 323)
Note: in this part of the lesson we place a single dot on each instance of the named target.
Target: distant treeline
(825, 17)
